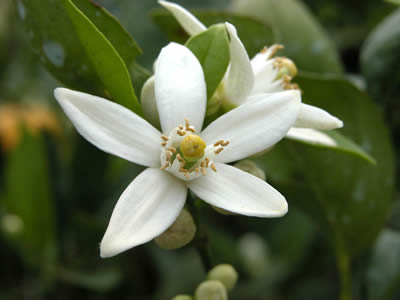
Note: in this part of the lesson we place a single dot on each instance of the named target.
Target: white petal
(239, 192)
(180, 88)
(149, 103)
(264, 79)
(148, 206)
(254, 126)
(239, 79)
(189, 22)
(314, 117)
(111, 127)
(311, 136)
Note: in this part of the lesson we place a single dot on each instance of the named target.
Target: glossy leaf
(28, 197)
(304, 39)
(119, 37)
(340, 143)
(349, 197)
(108, 64)
(380, 59)
(211, 48)
(73, 49)
(254, 34)
(383, 274)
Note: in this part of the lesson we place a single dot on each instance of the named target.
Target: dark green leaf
(28, 197)
(380, 59)
(383, 275)
(73, 49)
(349, 197)
(118, 36)
(340, 143)
(395, 2)
(211, 48)
(304, 39)
(108, 64)
(254, 34)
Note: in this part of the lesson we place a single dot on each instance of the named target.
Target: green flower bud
(255, 253)
(12, 224)
(224, 273)
(182, 297)
(251, 168)
(211, 290)
(180, 233)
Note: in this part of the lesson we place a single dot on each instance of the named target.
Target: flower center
(186, 155)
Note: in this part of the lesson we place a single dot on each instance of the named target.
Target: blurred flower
(34, 118)
(247, 80)
(224, 273)
(153, 201)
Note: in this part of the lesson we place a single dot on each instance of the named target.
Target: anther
(207, 162)
(169, 155)
(181, 132)
(213, 167)
(172, 149)
(197, 170)
(187, 124)
(164, 166)
(274, 48)
(165, 138)
(203, 171)
(219, 150)
(164, 144)
(218, 143)
(179, 157)
(191, 129)
(226, 143)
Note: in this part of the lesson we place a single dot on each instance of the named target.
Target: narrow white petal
(239, 192)
(188, 22)
(111, 127)
(264, 79)
(255, 125)
(314, 117)
(148, 206)
(180, 88)
(239, 79)
(311, 136)
(149, 103)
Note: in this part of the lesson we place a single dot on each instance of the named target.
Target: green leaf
(304, 39)
(254, 34)
(211, 48)
(28, 198)
(395, 2)
(108, 64)
(380, 60)
(73, 49)
(383, 274)
(118, 36)
(340, 143)
(348, 197)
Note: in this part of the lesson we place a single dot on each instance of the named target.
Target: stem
(201, 239)
(345, 276)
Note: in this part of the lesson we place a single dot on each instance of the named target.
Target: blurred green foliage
(56, 194)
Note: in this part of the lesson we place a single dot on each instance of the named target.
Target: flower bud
(211, 290)
(224, 273)
(179, 234)
(182, 297)
(251, 168)
(255, 253)
(12, 224)
(148, 101)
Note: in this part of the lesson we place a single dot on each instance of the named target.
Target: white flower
(183, 157)
(246, 78)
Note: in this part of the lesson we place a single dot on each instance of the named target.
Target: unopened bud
(255, 253)
(148, 101)
(224, 273)
(179, 234)
(211, 290)
(251, 168)
(286, 67)
(12, 224)
(182, 297)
